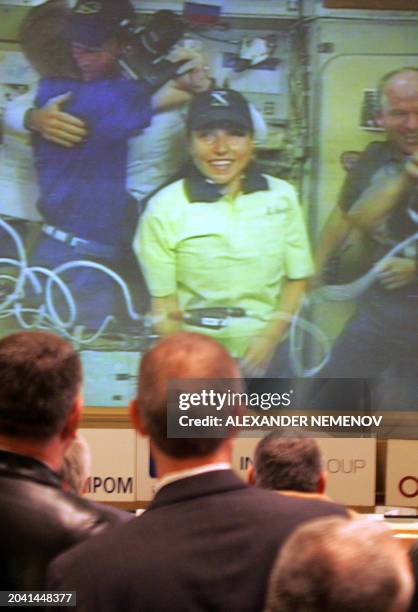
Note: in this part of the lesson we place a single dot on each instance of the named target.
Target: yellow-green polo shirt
(233, 252)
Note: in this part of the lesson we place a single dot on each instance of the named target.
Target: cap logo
(89, 8)
(218, 98)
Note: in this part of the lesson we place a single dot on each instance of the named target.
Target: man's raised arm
(383, 196)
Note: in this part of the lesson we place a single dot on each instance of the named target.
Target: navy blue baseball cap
(219, 107)
(94, 22)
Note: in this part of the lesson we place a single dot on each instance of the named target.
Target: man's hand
(193, 75)
(396, 272)
(192, 78)
(191, 57)
(56, 125)
(195, 80)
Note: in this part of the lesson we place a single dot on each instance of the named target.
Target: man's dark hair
(182, 356)
(340, 565)
(40, 378)
(287, 463)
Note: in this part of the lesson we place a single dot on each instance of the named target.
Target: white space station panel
(110, 377)
(260, 8)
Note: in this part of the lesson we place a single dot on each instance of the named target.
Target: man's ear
(251, 474)
(322, 482)
(69, 431)
(136, 418)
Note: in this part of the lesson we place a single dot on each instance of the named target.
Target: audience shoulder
(85, 516)
(296, 507)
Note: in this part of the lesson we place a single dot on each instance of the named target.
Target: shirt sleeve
(298, 259)
(15, 111)
(123, 111)
(115, 109)
(49, 87)
(155, 253)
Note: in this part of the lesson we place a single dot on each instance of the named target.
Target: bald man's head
(184, 356)
(402, 82)
(340, 564)
(399, 108)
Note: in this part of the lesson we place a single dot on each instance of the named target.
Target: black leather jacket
(38, 520)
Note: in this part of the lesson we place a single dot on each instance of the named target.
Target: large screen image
(187, 170)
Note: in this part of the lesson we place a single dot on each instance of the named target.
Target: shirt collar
(201, 189)
(181, 474)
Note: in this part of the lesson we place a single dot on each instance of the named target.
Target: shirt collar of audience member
(181, 474)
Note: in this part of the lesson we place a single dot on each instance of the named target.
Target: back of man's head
(288, 463)
(183, 356)
(43, 40)
(340, 564)
(40, 376)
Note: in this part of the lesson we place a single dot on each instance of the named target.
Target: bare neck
(234, 188)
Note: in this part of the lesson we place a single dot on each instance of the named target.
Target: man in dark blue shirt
(87, 211)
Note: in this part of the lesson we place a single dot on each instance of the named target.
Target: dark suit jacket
(206, 543)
